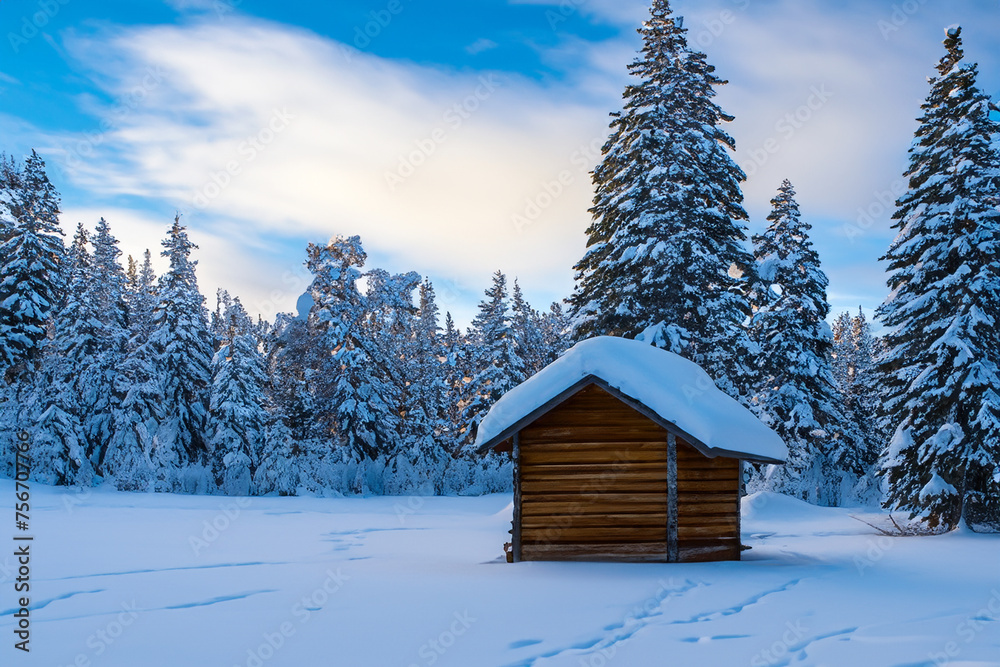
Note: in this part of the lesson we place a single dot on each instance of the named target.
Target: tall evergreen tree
(940, 377)
(30, 258)
(497, 362)
(183, 348)
(666, 242)
(526, 325)
(61, 455)
(797, 394)
(141, 297)
(358, 394)
(237, 421)
(425, 427)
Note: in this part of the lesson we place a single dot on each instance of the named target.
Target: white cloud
(330, 123)
(324, 140)
(480, 45)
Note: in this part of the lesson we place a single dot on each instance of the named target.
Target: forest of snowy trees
(125, 377)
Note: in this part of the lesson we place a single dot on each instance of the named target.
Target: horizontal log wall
(708, 500)
(593, 486)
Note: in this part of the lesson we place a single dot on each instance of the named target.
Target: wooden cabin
(625, 452)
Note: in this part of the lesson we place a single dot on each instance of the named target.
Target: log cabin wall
(593, 486)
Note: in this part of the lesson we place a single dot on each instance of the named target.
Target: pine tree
(30, 260)
(555, 328)
(843, 355)
(456, 370)
(940, 375)
(797, 394)
(497, 364)
(141, 297)
(526, 325)
(666, 243)
(183, 349)
(237, 420)
(60, 447)
(426, 430)
(358, 396)
(106, 296)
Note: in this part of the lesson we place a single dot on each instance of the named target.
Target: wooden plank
(591, 491)
(594, 455)
(610, 474)
(597, 498)
(582, 444)
(705, 475)
(597, 520)
(709, 508)
(710, 553)
(594, 534)
(595, 469)
(582, 433)
(705, 486)
(648, 552)
(687, 499)
(728, 520)
(572, 508)
(699, 531)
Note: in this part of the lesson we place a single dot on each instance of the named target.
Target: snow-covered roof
(675, 392)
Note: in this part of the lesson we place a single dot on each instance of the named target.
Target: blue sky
(454, 137)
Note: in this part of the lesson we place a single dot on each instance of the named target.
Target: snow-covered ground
(135, 580)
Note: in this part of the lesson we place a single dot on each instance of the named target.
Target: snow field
(142, 579)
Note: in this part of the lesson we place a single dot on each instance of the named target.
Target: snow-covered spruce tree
(797, 395)
(555, 327)
(237, 420)
(358, 392)
(29, 263)
(99, 387)
(141, 297)
(843, 355)
(425, 430)
(60, 448)
(527, 328)
(456, 371)
(183, 348)
(136, 419)
(939, 374)
(497, 363)
(666, 241)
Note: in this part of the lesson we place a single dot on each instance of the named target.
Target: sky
(455, 137)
